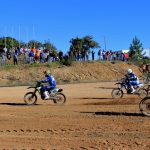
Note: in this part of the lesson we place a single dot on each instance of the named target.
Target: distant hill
(78, 72)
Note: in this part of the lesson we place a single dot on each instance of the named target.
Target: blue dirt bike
(56, 95)
(123, 88)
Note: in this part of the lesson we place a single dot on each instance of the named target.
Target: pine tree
(136, 49)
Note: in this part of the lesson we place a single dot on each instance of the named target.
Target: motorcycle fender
(60, 90)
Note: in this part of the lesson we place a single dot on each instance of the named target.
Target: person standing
(15, 58)
(87, 55)
(93, 55)
(100, 54)
(3, 54)
(8, 54)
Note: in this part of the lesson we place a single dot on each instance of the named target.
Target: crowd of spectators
(27, 56)
(112, 56)
(102, 55)
(33, 55)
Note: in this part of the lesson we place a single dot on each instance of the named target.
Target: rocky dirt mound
(78, 72)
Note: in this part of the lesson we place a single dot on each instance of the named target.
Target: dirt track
(90, 120)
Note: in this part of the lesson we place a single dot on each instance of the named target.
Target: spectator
(78, 56)
(117, 56)
(100, 54)
(93, 55)
(8, 54)
(104, 55)
(107, 55)
(83, 55)
(122, 56)
(37, 56)
(110, 55)
(126, 56)
(114, 56)
(26, 56)
(3, 54)
(15, 56)
(60, 55)
(87, 55)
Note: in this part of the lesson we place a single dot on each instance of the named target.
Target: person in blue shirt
(51, 83)
(133, 80)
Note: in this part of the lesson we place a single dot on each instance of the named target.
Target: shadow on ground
(104, 98)
(108, 88)
(111, 101)
(116, 114)
(98, 98)
(16, 104)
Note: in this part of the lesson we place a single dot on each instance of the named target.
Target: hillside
(78, 72)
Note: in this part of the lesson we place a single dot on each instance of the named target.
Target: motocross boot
(132, 90)
(46, 94)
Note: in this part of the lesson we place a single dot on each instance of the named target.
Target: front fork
(34, 93)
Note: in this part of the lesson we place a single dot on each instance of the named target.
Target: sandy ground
(90, 120)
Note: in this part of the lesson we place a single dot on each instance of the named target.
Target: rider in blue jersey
(51, 84)
(132, 80)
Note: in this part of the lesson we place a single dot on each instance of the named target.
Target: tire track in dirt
(89, 133)
(95, 136)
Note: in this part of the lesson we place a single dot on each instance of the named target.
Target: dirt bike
(147, 78)
(56, 95)
(144, 106)
(123, 88)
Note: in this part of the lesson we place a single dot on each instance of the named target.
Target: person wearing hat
(51, 83)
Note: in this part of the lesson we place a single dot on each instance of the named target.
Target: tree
(136, 49)
(76, 44)
(82, 45)
(35, 44)
(89, 43)
(49, 46)
(9, 42)
(75, 47)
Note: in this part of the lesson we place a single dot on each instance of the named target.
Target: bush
(67, 61)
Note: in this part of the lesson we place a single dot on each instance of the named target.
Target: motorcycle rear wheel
(145, 106)
(30, 98)
(142, 93)
(60, 98)
(117, 93)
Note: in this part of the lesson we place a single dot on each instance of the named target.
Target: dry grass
(78, 72)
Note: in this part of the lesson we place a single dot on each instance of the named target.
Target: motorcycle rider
(133, 80)
(51, 84)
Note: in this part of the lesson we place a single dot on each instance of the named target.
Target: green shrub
(67, 61)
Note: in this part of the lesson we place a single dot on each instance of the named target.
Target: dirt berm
(78, 72)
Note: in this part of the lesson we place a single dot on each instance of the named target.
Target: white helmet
(129, 71)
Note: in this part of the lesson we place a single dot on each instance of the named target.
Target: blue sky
(119, 21)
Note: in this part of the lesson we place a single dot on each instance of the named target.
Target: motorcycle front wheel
(145, 106)
(60, 98)
(30, 98)
(117, 93)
